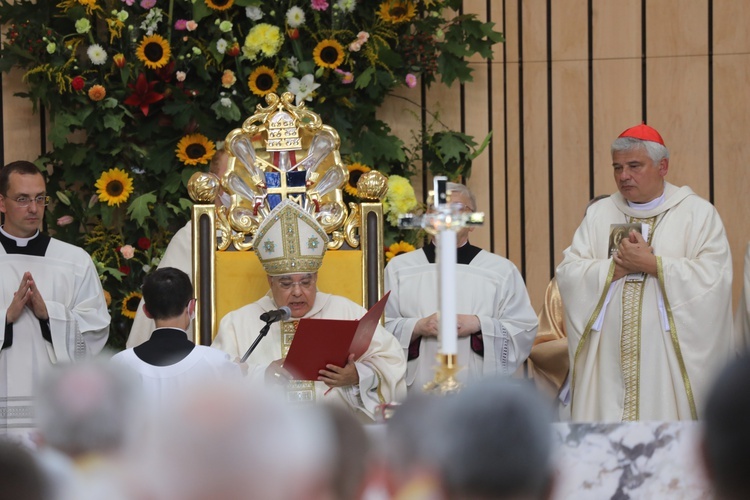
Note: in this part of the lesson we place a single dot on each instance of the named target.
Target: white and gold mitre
(290, 241)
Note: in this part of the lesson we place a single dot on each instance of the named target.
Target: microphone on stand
(281, 314)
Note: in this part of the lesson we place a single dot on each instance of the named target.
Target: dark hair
(23, 476)
(21, 167)
(726, 433)
(166, 292)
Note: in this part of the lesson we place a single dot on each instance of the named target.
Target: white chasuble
(651, 352)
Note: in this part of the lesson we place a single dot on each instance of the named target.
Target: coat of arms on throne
(283, 152)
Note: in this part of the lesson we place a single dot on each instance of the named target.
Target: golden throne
(282, 151)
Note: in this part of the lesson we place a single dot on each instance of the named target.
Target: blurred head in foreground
(726, 434)
(491, 440)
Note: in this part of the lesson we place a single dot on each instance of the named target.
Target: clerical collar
(649, 205)
(36, 245)
(21, 242)
(464, 254)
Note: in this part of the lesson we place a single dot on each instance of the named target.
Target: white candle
(446, 259)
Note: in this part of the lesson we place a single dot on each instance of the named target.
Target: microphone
(281, 314)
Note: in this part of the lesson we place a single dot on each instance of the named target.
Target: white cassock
(179, 254)
(654, 350)
(742, 315)
(163, 383)
(381, 368)
(490, 287)
(78, 323)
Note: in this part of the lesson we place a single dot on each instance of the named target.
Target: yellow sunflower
(194, 149)
(262, 81)
(355, 172)
(219, 4)
(154, 51)
(107, 298)
(130, 304)
(396, 11)
(328, 54)
(398, 249)
(114, 186)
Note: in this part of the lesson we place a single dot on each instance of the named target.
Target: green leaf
(139, 210)
(60, 129)
(113, 122)
(230, 114)
(363, 80)
(186, 204)
(200, 10)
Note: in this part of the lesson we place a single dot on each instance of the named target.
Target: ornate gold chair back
(282, 152)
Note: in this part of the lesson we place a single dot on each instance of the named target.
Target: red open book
(319, 342)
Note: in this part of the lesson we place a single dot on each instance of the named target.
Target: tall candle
(446, 258)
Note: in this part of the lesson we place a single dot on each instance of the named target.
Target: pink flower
(411, 81)
(147, 4)
(180, 24)
(191, 25)
(181, 75)
(355, 46)
(127, 251)
(346, 76)
(363, 36)
(65, 220)
(319, 4)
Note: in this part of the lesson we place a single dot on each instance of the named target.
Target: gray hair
(494, 440)
(88, 408)
(654, 150)
(460, 188)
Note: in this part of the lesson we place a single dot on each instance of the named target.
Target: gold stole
(297, 391)
(630, 341)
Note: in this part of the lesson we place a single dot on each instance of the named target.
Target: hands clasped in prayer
(634, 255)
(467, 324)
(27, 295)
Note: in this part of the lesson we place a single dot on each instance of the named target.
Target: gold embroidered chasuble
(660, 341)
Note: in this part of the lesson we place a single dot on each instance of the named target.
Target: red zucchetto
(644, 133)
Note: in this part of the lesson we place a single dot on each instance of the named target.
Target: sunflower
(396, 11)
(262, 81)
(114, 186)
(398, 249)
(355, 172)
(219, 4)
(194, 149)
(154, 51)
(328, 54)
(130, 304)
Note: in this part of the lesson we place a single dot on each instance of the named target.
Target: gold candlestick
(445, 381)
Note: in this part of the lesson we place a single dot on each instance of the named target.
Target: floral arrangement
(141, 92)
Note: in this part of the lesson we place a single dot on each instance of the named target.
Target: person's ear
(145, 311)
(663, 166)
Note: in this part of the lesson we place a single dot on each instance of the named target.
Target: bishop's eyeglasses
(25, 201)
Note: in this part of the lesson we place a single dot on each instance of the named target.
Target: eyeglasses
(460, 207)
(304, 283)
(25, 201)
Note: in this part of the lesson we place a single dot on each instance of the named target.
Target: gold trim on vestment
(630, 347)
(676, 340)
(587, 331)
(297, 391)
